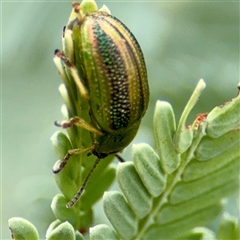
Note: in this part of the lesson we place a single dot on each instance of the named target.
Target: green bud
(62, 232)
(88, 6)
(22, 229)
(184, 135)
(105, 9)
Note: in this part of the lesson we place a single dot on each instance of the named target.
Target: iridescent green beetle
(110, 72)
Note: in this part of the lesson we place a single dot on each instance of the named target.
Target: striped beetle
(109, 70)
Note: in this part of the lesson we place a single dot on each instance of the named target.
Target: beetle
(109, 70)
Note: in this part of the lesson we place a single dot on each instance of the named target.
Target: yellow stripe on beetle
(115, 72)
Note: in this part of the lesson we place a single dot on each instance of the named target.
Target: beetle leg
(73, 71)
(79, 193)
(59, 165)
(80, 123)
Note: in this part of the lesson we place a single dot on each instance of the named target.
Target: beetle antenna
(79, 193)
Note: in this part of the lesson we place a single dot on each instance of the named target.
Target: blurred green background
(182, 42)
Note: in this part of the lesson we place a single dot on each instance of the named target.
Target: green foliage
(184, 194)
(164, 194)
